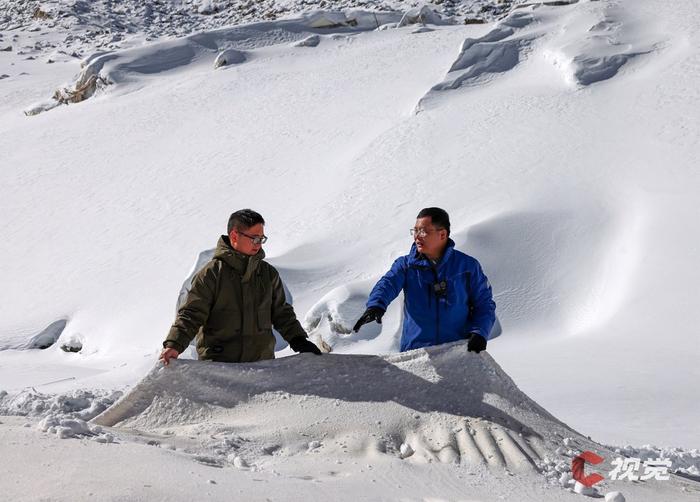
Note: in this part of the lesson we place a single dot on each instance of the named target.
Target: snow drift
(440, 404)
(445, 403)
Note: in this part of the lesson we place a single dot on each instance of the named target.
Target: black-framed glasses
(256, 240)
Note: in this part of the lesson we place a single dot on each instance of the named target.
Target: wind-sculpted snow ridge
(441, 404)
(41, 340)
(596, 41)
(499, 51)
(589, 42)
(496, 52)
(218, 47)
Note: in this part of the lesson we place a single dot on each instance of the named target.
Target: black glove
(477, 343)
(371, 314)
(301, 344)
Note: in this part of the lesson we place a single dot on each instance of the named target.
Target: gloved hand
(371, 314)
(302, 344)
(477, 343)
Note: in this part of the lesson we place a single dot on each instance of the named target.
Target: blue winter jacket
(429, 318)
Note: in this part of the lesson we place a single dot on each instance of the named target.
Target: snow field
(562, 140)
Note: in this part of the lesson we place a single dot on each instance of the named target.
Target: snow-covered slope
(562, 140)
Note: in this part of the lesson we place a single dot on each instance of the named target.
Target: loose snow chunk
(239, 463)
(64, 428)
(582, 489)
(47, 423)
(229, 57)
(406, 450)
(422, 15)
(333, 316)
(327, 20)
(310, 41)
(105, 438)
(207, 7)
(38, 108)
(690, 471)
(614, 497)
(565, 478)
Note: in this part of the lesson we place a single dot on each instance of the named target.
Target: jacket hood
(245, 265)
(418, 259)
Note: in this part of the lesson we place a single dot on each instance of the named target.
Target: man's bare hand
(168, 354)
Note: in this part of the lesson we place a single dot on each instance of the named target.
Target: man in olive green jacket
(234, 302)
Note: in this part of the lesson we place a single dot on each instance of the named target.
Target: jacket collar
(417, 259)
(243, 264)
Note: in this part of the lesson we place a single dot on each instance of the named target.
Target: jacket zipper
(437, 305)
(437, 323)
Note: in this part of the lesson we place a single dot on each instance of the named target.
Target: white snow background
(562, 140)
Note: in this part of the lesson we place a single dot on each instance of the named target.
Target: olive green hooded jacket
(234, 302)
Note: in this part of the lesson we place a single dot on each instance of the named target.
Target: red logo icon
(578, 471)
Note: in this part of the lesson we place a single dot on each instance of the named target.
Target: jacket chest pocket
(223, 323)
(264, 318)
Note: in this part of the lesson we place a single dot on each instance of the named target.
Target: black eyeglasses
(256, 240)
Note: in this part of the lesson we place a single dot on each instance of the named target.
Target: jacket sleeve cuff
(477, 331)
(375, 304)
(170, 344)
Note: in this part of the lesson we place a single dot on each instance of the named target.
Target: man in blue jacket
(447, 297)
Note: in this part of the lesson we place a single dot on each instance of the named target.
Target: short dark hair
(243, 219)
(438, 217)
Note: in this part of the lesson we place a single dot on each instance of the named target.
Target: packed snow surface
(437, 406)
